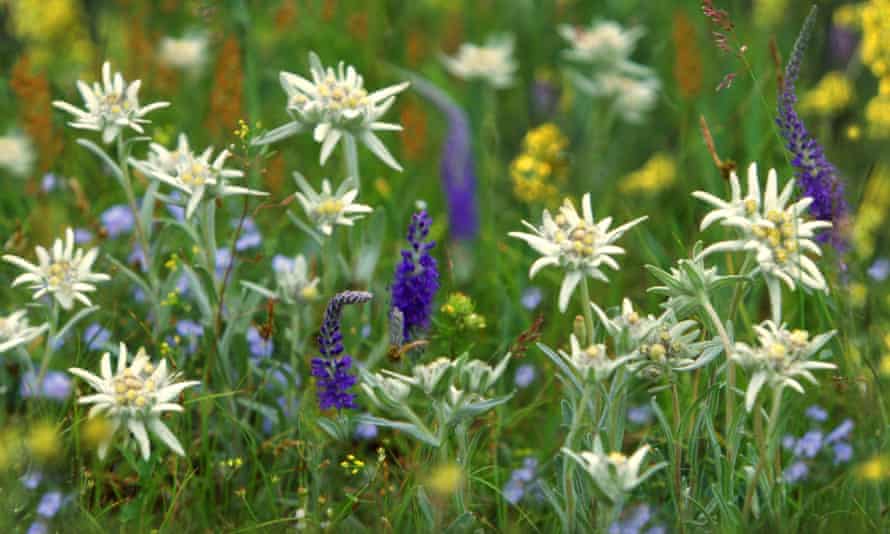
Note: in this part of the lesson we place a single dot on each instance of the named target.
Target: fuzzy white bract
(632, 96)
(186, 53)
(603, 41)
(615, 474)
(110, 106)
(579, 245)
(335, 104)
(15, 331)
(327, 208)
(591, 362)
(63, 272)
(292, 279)
(135, 396)
(773, 230)
(780, 358)
(193, 174)
(492, 62)
(16, 154)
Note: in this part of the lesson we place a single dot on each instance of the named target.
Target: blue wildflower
(82, 235)
(640, 415)
(531, 298)
(809, 445)
(843, 452)
(366, 431)
(223, 261)
(796, 472)
(118, 220)
(525, 375)
(816, 176)
(96, 337)
(176, 210)
(259, 347)
(879, 270)
(49, 182)
(38, 527)
(137, 257)
(333, 380)
(191, 331)
(56, 385)
(416, 278)
(250, 235)
(816, 413)
(842, 432)
(522, 481)
(635, 521)
(32, 479)
(50, 504)
(458, 166)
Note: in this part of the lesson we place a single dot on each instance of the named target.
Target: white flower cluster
(492, 62)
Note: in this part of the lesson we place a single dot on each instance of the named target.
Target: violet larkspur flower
(117, 220)
(416, 278)
(458, 166)
(331, 371)
(817, 177)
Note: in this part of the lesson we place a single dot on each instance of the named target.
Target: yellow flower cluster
(832, 94)
(875, 469)
(875, 19)
(769, 13)
(52, 29)
(872, 214)
(877, 112)
(542, 161)
(656, 175)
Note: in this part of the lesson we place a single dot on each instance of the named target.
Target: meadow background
(258, 460)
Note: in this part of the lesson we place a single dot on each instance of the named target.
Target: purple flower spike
(416, 277)
(333, 380)
(458, 165)
(816, 176)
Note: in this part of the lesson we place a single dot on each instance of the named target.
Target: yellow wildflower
(858, 294)
(95, 431)
(768, 13)
(877, 111)
(43, 441)
(872, 212)
(874, 470)
(875, 46)
(656, 175)
(445, 479)
(832, 94)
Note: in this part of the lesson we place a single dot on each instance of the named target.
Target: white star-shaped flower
(615, 474)
(110, 106)
(604, 41)
(326, 208)
(335, 104)
(591, 362)
(292, 278)
(135, 396)
(64, 272)
(780, 358)
(15, 331)
(775, 231)
(492, 62)
(193, 174)
(579, 245)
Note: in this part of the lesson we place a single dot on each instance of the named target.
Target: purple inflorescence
(416, 278)
(333, 380)
(816, 176)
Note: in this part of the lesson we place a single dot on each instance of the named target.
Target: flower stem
(48, 348)
(678, 453)
(350, 151)
(730, 368)
(568, 488)
(587, 311)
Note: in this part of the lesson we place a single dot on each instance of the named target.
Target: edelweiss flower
(477, 376)
(110, 107)
(16, 154)
(14, 330)
(632, 96)
(777, 234)
(192, 174)
(628, 321)
(670, 345)
(426, 376)
(579, 245)
(135, 396)
(186, 53)
(336, 104)
(492, 63)
(325, 208)
(292, 278)
(615, 474)
(63, 272)
(604, 41)
(593, 361)
(780, 357)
